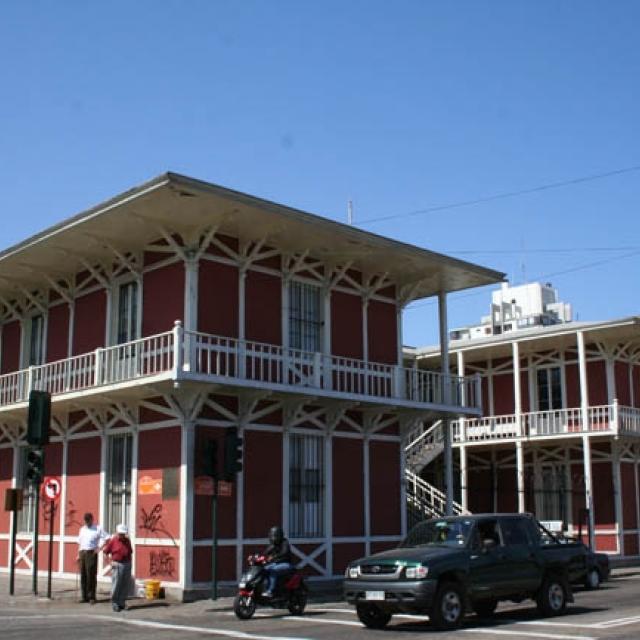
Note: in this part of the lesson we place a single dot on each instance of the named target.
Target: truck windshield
(452, 533)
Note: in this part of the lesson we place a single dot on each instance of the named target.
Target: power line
(525, 250)
(504, 195)
(544, 276)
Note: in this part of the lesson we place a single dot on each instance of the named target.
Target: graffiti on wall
(151, 522)
(161, 564)
(71, 516)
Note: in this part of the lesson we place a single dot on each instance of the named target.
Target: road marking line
(346, 623)
(228, 633)
(602, 624)
(618, 622)
(529, 634)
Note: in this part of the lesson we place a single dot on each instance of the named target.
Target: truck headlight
(354, 572)
(416, 573)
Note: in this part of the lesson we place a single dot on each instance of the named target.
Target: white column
(403, 491)
(588, 486)
(611, 378)
(72, 321)
(133, 507)
(328, 465)
(520, 476)
(517, 390)
(586, 444)
(102, 507)
(62, 505)
(365, 328)
(617, 494)
(108, 321)
(242, 280)
(186, 503)
(492, 407)
(446, 398)
(326, 337)
(242, 432)
(568, 483)
(366, 503)
(191, 273)
(464, 498)
(286, 455)
(191, 277)
(14, 484)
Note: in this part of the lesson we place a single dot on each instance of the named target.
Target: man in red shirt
(118, 549)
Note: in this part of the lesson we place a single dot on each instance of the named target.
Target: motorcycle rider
(278, 555)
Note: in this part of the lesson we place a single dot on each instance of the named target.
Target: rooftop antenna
(349, 211)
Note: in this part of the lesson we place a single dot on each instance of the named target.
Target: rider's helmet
(276, 535)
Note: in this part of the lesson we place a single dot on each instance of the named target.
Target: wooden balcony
(179, 356)
(612, 419)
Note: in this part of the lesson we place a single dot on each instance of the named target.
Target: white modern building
(518, 307)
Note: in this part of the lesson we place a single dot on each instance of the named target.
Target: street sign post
(50, 489)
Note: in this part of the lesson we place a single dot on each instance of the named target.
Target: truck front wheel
(552, 597)
(372, 616)
(448, 607)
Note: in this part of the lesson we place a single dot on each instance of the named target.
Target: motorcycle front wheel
(297, 602)
(244, 606)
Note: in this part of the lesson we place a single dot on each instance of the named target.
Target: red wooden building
(560, 430)
(179, 309)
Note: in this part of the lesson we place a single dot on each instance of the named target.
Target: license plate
(374, 595)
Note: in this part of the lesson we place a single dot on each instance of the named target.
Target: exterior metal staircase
(425, 444)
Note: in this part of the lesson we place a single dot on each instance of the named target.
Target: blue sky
(398, 106)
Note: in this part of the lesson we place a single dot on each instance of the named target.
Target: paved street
(612, 612)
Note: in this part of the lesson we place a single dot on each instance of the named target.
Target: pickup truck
(447, 566)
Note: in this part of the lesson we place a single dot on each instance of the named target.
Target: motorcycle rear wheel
(244, 607)
(297, 602)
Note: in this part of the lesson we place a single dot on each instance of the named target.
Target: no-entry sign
(51, 488)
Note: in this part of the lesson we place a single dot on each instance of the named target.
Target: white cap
(122, 528)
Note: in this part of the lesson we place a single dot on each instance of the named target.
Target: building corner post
(446, 399)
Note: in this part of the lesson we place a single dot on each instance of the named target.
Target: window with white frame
(305, 317)
(306, 486)
(34, 340)
(126, 313)
(118, 489)
(551, 493)
(549, 388)
(26, 517)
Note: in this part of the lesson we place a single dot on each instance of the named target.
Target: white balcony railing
(613, 418)
(180, 355)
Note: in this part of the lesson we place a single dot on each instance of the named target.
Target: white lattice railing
(427, 499)
(611, 418)
(182, 354)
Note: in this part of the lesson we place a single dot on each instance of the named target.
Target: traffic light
(232, 453)
(38, 418)
(210, 465)
(35, 465)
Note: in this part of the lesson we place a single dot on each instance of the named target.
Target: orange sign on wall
(148, 486)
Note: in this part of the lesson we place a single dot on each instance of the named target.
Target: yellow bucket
(151, 589)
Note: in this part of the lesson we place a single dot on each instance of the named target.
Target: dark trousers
(88, 574)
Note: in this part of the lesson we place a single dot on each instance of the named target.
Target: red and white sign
(51, 488)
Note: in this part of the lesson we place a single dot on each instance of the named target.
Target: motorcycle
(290, 592)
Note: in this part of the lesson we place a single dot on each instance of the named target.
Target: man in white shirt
(90, 540)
